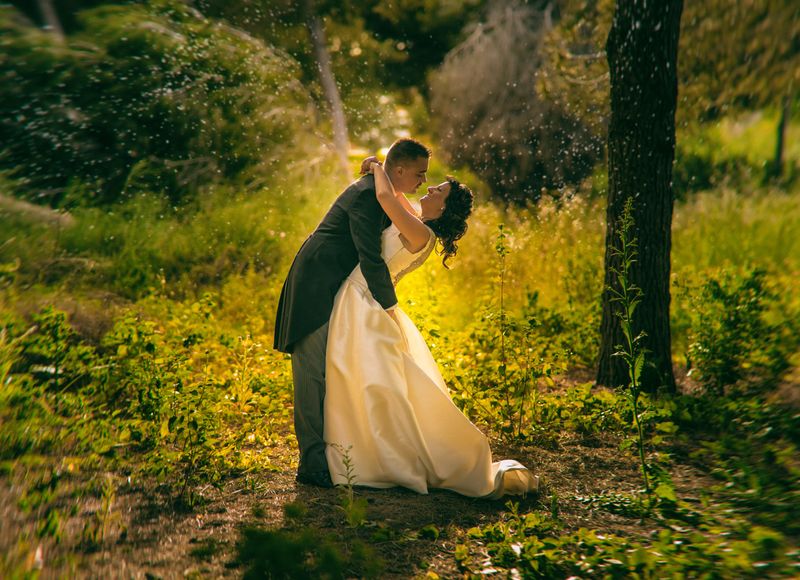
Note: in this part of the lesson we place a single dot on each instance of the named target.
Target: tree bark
(642, 49)
(50, 17)
(316, 30)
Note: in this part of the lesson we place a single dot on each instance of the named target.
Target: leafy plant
(54, 352)
(531, 545)
(10, 351)
(355, 509)
(627, 297)
(732, 341)
(96, 530)
(501, 248)
(303, 553)
(51, 525)
(625, 504)
(509, 361)
(748, 446)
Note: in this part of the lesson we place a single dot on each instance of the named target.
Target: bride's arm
(402, 215)
(405, 203)
(366, 167)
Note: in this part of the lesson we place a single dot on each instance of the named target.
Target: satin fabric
(387, 407)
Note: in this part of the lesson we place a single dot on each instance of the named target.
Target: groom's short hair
(406, 149)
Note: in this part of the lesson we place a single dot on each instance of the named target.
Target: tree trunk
(50, 17)
(642, 51)
(317, 32)
(777, 162)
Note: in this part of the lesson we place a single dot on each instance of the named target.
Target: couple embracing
(364, 379)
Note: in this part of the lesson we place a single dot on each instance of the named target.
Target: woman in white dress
(386, 404)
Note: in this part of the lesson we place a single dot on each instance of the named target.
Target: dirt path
(146, 537)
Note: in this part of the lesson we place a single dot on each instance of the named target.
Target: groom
(349, 234)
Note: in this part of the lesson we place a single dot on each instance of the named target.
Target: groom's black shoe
(318, 478)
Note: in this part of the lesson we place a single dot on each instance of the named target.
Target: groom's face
(410, 175)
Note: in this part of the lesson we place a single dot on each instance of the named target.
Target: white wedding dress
(388, 407)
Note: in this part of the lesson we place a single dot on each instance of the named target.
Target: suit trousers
(308, 371)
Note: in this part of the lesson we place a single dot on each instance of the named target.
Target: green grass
(138, 247)
(729, 228)
(753, 135)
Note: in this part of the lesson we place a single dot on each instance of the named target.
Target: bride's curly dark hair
(452, 224)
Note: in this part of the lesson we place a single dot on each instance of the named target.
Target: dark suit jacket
(349, 234)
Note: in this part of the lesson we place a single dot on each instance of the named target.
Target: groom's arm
(366, 229)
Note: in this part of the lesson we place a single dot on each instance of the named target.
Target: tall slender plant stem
(628, 296)
(501, 251)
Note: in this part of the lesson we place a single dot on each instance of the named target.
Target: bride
(386, 406)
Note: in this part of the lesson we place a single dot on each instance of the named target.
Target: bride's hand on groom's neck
(366, 165)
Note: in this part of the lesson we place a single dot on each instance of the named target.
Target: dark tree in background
(642, 51)
(488, 114)
(316, 31)
(50, 16)
(61, 16)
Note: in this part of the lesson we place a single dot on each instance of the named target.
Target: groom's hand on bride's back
(365, 165)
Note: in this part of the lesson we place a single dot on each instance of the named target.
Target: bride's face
(432, 203)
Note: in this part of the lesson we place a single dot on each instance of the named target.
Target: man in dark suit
(349, 234)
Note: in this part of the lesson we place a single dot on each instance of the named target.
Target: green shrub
(749, 445)
(304, 553)
(531, 546)
(54, 353)
(732, 340)
(144, 97)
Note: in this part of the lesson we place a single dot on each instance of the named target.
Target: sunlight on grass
(729, 228)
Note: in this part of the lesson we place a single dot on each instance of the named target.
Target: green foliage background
(144, 99)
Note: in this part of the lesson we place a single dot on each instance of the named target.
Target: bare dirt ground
(147, 537)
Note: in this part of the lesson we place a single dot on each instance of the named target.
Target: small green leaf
(637, 366)
(666, 491)
(429, 532)
(461, 553)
